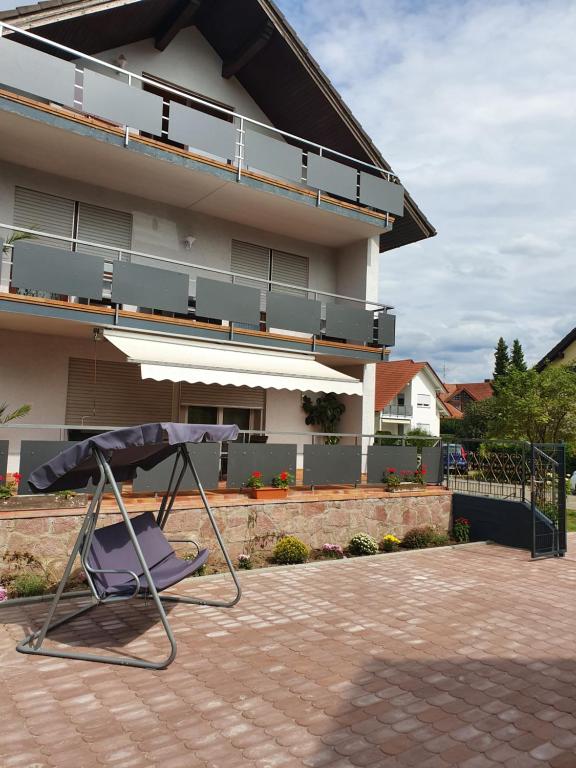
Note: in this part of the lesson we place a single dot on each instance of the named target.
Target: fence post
(532, 495)
(523, 472)
(562, 500)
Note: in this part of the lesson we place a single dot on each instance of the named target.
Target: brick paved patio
(446, 657)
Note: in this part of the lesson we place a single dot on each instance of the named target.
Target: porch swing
(132, 558)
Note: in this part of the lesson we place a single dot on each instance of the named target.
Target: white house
(407, 398)
(206, 220)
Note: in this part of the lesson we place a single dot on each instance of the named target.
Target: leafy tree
(6, 416)
(540, 407)
(326, 413)
(477, 419)
(517, 358)
(501, 359)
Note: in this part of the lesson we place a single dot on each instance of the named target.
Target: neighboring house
(407, 398)
(564, 353)
(193, 259)
(459, 396)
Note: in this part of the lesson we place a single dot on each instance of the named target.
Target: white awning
(162, 357)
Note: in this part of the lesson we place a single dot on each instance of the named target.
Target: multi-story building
(192, 220)
(408, 398)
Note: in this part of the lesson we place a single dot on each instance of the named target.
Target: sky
(473, 104)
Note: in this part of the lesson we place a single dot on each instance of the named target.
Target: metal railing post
(532, 496)
(562, 500)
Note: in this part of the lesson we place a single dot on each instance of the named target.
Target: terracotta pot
(406, 487)
(268, 493)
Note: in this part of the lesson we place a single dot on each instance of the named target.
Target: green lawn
(571, 519)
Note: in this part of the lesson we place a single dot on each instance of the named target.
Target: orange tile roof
(454, 413)
(480, 390)
(391, 378)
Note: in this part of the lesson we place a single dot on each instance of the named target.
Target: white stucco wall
(420, 384)
(191, 62)
(160, 229)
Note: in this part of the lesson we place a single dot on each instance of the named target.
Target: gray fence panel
(387, 329)
(200, 131)
(4, 446)
(382, 457)
(381, 194)
(206, 459)
(122, 103)
(244, 458)
(432, 460)
(272, 156)
(346, 322)
(226, 301)
(332, 176)
(34, 72)
(292, 313)
(43, 268)
(332, 464)
(150, 287)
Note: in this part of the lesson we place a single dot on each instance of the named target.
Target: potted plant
(278, 489)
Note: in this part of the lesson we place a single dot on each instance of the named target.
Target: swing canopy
(126, 451)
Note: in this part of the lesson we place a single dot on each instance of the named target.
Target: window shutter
(45, 213)
(221, 396)
(252, 260)
(113, 394)
(103, 225)
(289, 268)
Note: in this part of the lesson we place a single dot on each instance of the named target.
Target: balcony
(402, 412)
(197, 155)
(132, 289)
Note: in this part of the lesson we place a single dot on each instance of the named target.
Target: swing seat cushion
(112, 549)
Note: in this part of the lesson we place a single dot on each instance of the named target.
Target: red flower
(391, 470)
(17, 476)
(256, 474)
(283, 475)
(2, 478)
(423, 470)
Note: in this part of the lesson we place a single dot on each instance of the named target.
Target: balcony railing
(241, 142)
(396, 412)
(152, 284)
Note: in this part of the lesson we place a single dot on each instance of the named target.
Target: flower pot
(406, 487)
(268, 493)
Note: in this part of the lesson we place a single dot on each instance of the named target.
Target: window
(400, 399)
(423, 401)
(71, 218)
(270, 265)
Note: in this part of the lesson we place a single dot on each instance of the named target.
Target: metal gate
(548, 500)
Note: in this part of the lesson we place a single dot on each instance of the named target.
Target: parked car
(454, 457)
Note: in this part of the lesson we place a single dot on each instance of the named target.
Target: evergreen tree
(501, 359)
(517, 360)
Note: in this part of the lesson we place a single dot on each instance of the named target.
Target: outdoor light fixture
(120, 61)
(98, 334)
(189, 241)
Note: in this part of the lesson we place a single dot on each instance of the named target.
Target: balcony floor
(434, 658)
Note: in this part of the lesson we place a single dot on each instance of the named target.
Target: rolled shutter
(221, 396)
(289, 268)
(106, 226)
(45, 213)
(113, 394)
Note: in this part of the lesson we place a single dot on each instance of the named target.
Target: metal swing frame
(33, 643)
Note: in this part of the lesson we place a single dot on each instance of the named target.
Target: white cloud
(472, 103)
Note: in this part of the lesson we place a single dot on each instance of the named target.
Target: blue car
(455, 457)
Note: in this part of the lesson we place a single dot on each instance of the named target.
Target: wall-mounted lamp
(98, 334)
(120, 61)
(189, 241)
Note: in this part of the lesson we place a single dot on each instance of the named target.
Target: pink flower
(3, 594)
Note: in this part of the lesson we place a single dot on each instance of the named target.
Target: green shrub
(362, 544)
(420, 538)
(28, 585)
(441, 540)
(290, 550)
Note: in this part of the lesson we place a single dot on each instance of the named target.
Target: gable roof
(557, 352)
(393, 376)
(453, 412)
(480, 390)
(282, 77)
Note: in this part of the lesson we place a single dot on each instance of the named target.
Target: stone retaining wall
(247, 526)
